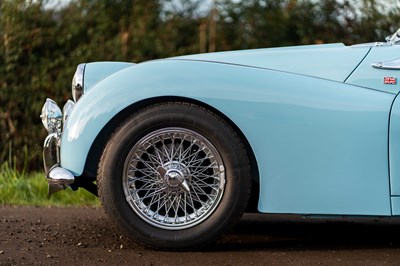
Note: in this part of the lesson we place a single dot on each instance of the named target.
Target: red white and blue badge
(390, 80)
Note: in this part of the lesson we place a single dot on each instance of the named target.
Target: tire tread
(100, 184)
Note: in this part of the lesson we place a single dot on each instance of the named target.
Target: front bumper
(58, 178)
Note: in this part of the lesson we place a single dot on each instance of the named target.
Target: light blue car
(179, 148)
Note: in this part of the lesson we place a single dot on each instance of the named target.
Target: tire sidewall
(206, 124)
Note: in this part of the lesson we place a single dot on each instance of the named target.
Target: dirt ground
(85, 236)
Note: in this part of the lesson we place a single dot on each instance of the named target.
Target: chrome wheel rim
(173, 178)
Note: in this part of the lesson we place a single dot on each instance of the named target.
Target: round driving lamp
(51, 116)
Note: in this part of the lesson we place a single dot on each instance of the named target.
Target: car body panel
(321, 145)
(97, 71)
(395, 206)
(367, 76)
(394, 148)
(328, 61)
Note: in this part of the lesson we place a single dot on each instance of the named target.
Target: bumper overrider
(53, 119)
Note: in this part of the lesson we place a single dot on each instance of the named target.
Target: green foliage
(41, 47)
(18, 188)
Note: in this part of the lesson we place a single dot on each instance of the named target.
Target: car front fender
(202, 81)
(312, 138)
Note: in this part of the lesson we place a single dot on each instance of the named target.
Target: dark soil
(85, 236)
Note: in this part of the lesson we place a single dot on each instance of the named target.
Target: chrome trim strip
(392, 64)
(371, 44)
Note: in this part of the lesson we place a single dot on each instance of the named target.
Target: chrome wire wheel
(173, 178)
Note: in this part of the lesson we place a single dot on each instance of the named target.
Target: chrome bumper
(58, 178)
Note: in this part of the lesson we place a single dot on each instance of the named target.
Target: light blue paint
(321, 146)
(328, 61)
(97, 71)
(370, 77)
(396, 206)
(394, 148)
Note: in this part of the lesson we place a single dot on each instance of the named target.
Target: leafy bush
(41, 47)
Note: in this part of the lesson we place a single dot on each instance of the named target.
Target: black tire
(178, 203)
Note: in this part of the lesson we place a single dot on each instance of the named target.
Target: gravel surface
(85, 236)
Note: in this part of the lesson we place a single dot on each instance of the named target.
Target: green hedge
(41, 47)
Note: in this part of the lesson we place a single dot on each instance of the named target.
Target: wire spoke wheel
(173, 178)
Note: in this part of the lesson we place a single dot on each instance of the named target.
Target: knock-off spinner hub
(174, 178)
(175, 175)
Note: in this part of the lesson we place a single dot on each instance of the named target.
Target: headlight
(68, 107)
(77, 82)
(51, 117)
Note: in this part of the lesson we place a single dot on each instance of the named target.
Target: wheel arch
(100, 141)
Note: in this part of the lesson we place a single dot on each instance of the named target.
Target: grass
(17, 187)
(20, 188)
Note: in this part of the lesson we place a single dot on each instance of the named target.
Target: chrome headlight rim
(78, 82)
(67, 110)
(51, 117)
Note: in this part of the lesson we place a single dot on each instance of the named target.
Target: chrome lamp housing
(77, 82)
(53, 120)
(51, 117)
(67, 110)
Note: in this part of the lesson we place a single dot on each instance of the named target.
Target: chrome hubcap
(174, 178)
(175, 175)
